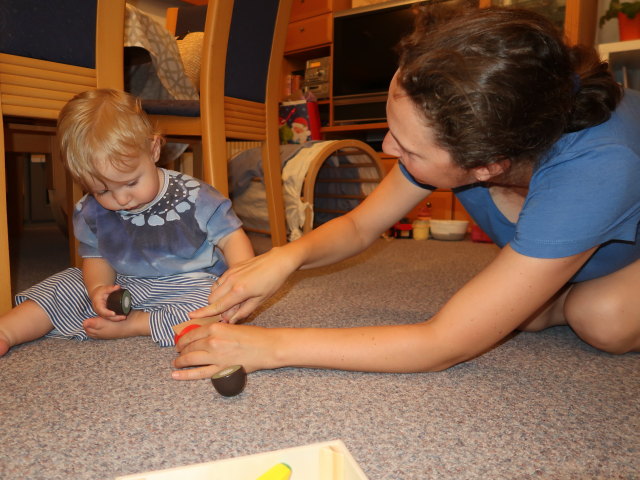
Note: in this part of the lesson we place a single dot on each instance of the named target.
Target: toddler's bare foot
(135, 325)
(4, 345)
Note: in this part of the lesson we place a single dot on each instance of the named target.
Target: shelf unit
(310, 36)
(624, 61)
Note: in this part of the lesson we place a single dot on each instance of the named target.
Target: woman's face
(413, 143)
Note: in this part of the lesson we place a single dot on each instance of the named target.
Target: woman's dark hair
(500, 83)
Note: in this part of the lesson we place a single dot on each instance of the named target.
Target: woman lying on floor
(540, 145)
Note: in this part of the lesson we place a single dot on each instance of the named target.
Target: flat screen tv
(364, 58)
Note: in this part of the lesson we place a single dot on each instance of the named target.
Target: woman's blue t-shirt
(584, 193)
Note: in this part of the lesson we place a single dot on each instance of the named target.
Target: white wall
(609, 31)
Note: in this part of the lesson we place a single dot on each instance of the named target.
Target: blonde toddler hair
(102, 125)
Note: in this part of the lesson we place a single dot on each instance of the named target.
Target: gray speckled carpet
(540, 405)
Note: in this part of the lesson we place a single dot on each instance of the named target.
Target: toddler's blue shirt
(176, 233)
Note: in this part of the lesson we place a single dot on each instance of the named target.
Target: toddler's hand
(99, 297)
(227, 317)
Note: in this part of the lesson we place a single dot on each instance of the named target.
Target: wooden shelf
(355, 127)
(624, 61)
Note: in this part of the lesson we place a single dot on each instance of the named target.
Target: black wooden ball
(119, 302)
(230, 381)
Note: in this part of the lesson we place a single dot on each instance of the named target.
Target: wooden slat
(29, 92)
(348, 165)
(34, 63)
(330, 210)
(46, 80)
(243, 127)
(173, 125)
(7, 80)
(21, 127)
(5, 277)
(341, 196)
(243, 134)
(235, 118)
(109, 44)
(20, 111)
(348, 180)
(256, 115)
(20, 101)
(237, 147)
(171, 20)
(246, 105)
(67, 75)
(27, 142)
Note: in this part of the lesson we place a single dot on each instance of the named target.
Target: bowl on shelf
(448, 229)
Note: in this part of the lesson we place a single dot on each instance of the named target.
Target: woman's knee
(604, 321)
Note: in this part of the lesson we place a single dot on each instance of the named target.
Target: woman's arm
(250, 283)
(353, 232)
(489, 307)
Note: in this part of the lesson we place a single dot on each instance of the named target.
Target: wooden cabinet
(309, 36)
(311, 25)
(309, 32)
(301, 9)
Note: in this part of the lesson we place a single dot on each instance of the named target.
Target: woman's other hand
(213, 347)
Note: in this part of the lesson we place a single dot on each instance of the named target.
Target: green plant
(630, 9)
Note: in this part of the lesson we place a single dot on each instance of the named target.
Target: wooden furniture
(311, 23)
(309, 36)
(624, 61)
(239, 93)
(579, 27)
(34, 87)
(321, 181)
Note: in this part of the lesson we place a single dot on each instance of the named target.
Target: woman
(539, 144)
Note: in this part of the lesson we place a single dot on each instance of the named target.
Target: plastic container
(448, 229)
(420, 229)
(402, 229)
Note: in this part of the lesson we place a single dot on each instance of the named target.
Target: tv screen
(364, 59)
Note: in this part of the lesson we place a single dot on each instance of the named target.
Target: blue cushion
(249, 49)
(183, 108)
(62, 31)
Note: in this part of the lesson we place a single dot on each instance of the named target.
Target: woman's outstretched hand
(247, 285)
(218, 345)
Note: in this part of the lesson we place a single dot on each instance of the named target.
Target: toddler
(163, 235)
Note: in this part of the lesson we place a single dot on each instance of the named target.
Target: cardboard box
(319, 461)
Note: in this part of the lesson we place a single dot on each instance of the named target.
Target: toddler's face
(128, 187)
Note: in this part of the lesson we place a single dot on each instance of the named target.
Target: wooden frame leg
(6, 302)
